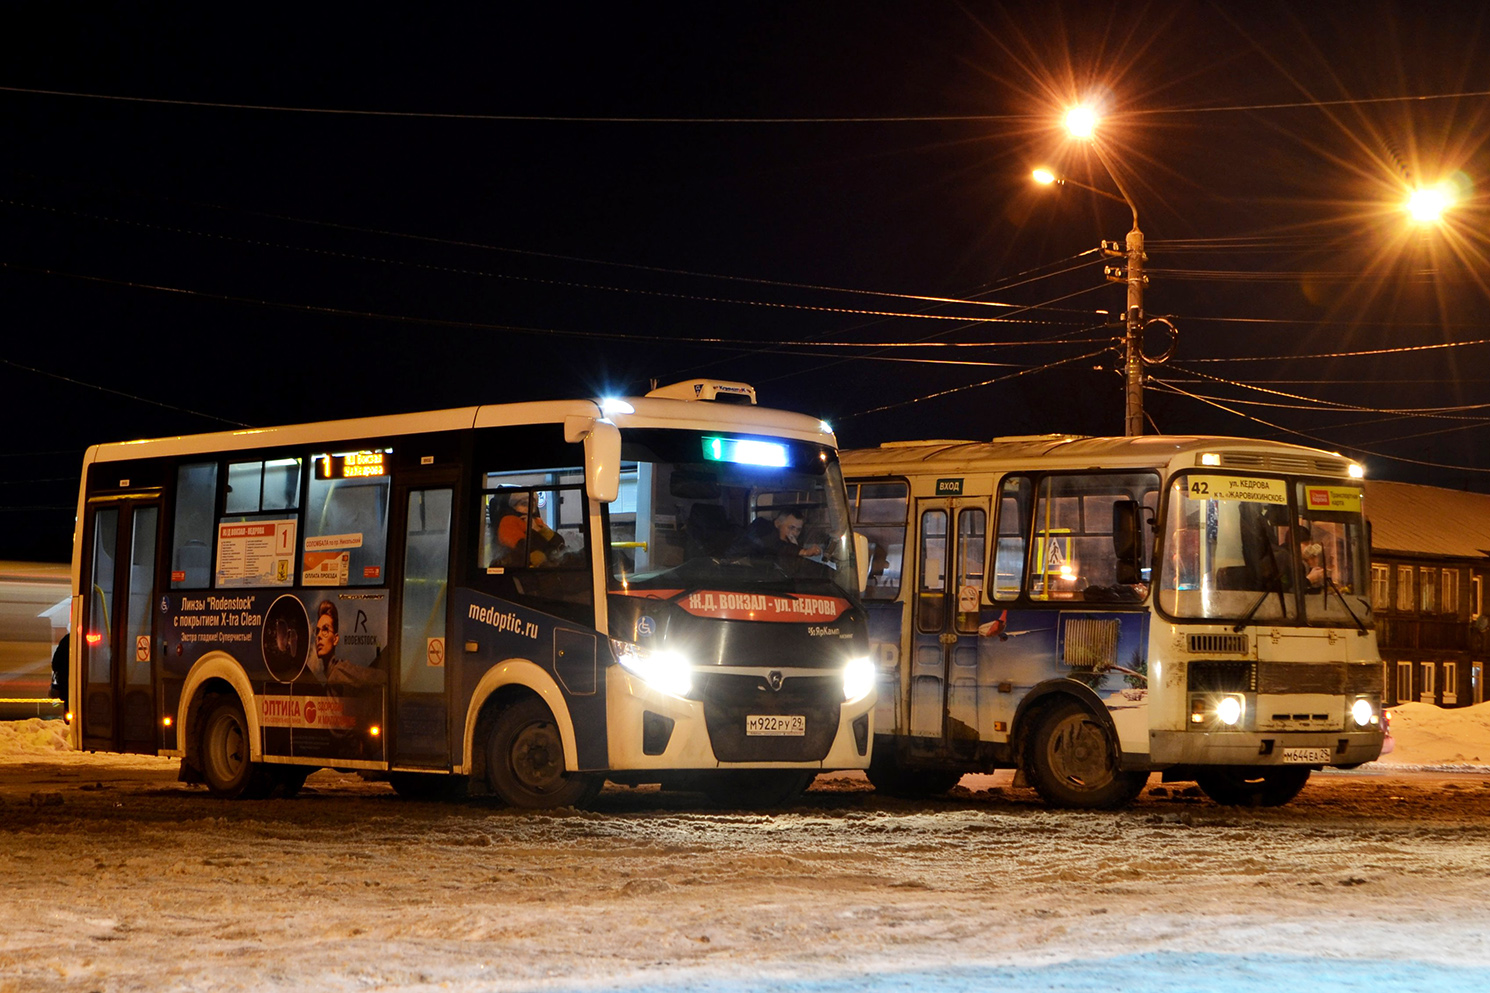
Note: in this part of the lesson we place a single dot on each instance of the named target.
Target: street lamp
(1426, 205)
(1081, 122)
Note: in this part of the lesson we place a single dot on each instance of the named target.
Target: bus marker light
(744, 451)
(166, 720)
(374, 731)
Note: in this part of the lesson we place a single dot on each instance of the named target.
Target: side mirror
(861, 559)
(602, 455)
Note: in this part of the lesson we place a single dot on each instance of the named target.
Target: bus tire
(889, 777)
(427, 785)
(1072, 761)
(1243, 786)
(225, 749)
(525, 761)
(755, 789)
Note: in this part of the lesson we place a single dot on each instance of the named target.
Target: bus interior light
(745, 451)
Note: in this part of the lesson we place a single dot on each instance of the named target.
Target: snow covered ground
(116, 877)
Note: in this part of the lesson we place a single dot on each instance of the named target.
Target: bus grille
(729, 698)
(1213, 676)
(1090, 644)
(1218, 644)
(1278, 462)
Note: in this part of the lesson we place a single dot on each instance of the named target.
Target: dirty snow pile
(1432, 739)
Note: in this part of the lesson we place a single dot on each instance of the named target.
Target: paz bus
(1088, 611)
(519, 600)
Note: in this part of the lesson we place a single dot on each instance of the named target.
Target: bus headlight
(858, 679)
(1363, 713)
(1229, 710)
(661, 669)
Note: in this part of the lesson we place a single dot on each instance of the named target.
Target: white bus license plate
(776, 725)
(1309, 756)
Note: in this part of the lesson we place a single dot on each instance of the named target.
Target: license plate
(776, 725)
(1307, 756)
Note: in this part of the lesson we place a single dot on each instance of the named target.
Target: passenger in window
(521, 537)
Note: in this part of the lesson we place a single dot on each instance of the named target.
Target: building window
(1381, 578)
(1449, 591)
(1476, 597)
(1428, 591)
(1404, 587)
(1476, 682)
(1450, 683)
(1404, 682)
(1429, 670)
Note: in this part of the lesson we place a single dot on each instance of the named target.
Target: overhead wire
(664, 119)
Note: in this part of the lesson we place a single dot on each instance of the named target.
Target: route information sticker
(1236, 488)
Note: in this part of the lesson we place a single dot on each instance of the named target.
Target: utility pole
(1133, 321)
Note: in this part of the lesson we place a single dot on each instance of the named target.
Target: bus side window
(191, 539)
(879, 515)
(932, 610)
(1013, 538)
(349, 516)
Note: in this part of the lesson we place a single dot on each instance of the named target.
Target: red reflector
(93, 639)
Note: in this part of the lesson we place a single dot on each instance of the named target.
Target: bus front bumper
(648, 729)
(1269, 748)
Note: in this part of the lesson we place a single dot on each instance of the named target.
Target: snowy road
(118, 878)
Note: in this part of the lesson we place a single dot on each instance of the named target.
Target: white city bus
(1088, 611)
(522, 600)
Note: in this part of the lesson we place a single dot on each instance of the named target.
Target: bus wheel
(225, 751)
(891, 778)
(1072, 762)
(427, 785)
(1241, 786)
(753, 789)
(525, 761)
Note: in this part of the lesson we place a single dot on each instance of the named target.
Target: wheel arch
(215, 672)
(1049, 693)
(500, 687)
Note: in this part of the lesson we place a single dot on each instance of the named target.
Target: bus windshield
(1265, 550)
(737, 512)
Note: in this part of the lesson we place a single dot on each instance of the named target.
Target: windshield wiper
(1282, 604)
(1329, 584)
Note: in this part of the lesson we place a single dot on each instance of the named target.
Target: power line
(970, 386)
(640, 119)
(119, 393)
(1315, 438)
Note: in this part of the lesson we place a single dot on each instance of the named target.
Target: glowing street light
(1081, 122)
(1426, 205)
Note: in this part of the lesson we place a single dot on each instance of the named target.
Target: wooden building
(1430, 555)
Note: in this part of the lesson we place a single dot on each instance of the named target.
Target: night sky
(305, 213)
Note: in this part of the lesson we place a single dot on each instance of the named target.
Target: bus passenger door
(952, 542)
(117, 696)
(419, 719)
